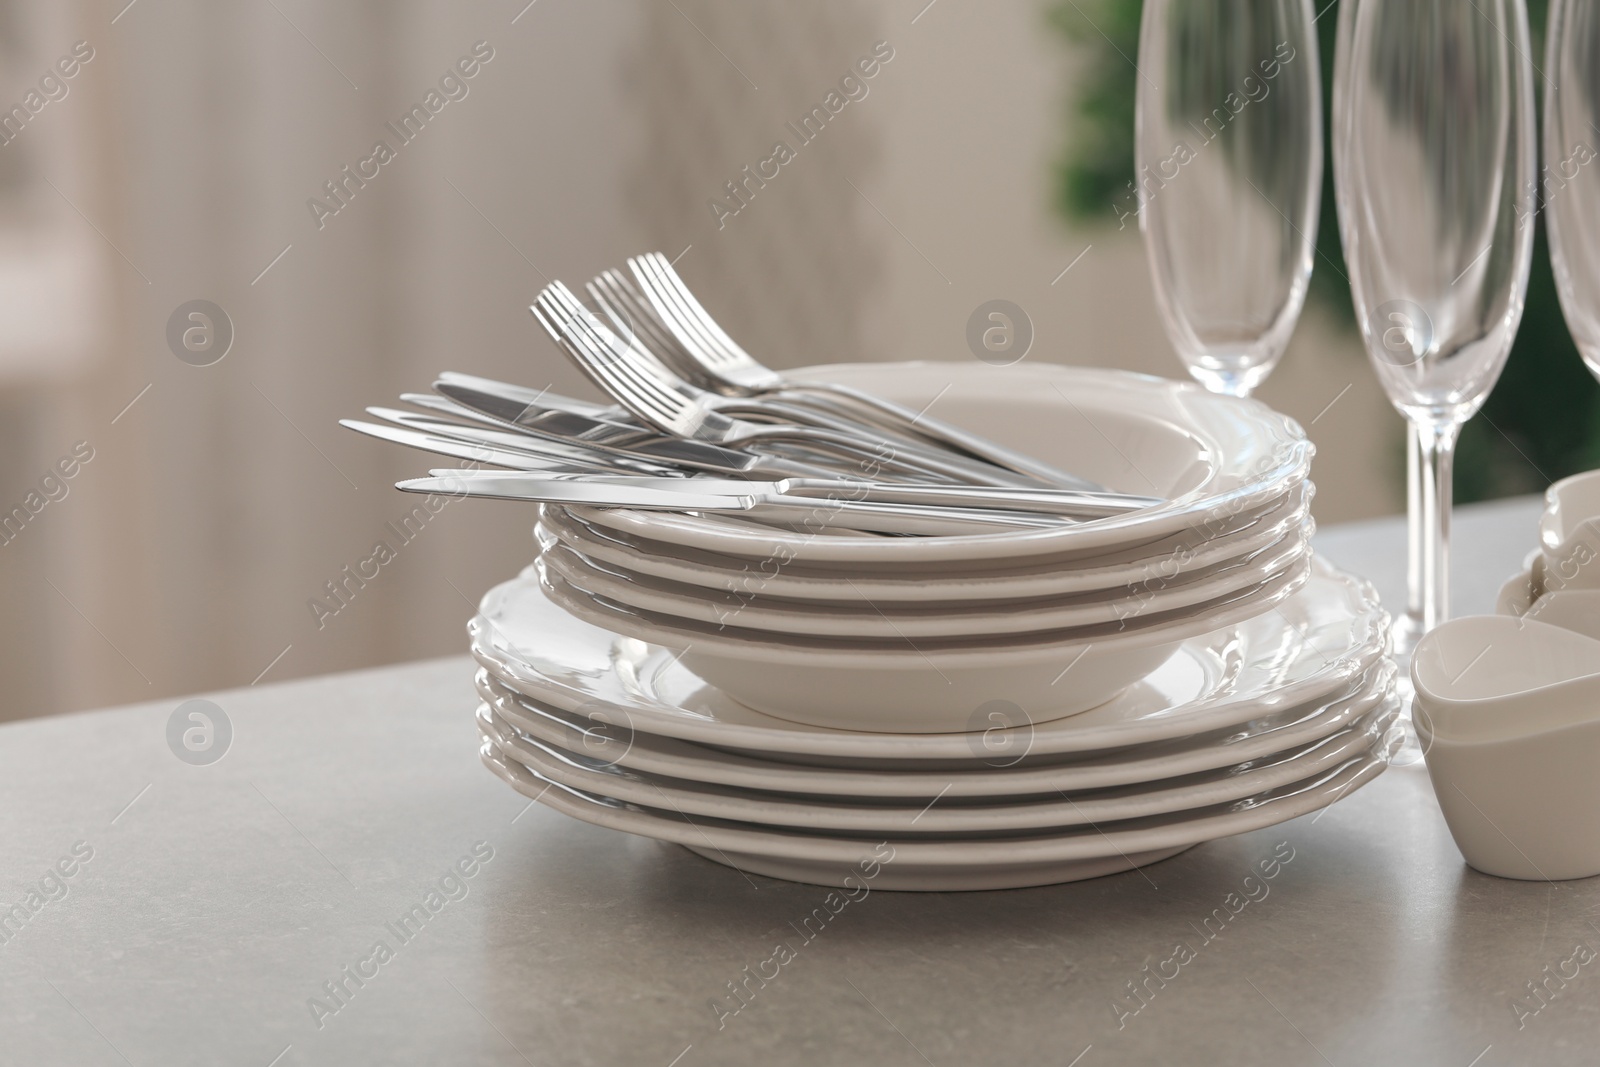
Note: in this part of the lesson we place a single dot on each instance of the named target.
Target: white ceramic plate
(930, 684)
(617, 743)
(1193, 552)
(1214, 457)
(947, 863)
(940, 814)
(1314, 644)
(899, 622)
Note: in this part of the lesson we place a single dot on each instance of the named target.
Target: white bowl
(1569, 533)
(1192, 552)
(1214, 457)
(1508, 713)
(869, 618)
(1571, 609)
(930, 685)
(1306, 652)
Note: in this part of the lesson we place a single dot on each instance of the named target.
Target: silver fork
(669, 308)
(565, 426)
(662, 399)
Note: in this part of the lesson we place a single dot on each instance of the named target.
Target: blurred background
(198, 152)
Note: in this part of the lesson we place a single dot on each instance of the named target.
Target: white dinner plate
(1009, 775)
(1192, 552)
(1315, 643)
(1213, 457)
(947, 862)
(941, 813)
(962, 619)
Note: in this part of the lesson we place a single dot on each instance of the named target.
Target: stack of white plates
(1240, 728)
(867, 632)
(955, 712)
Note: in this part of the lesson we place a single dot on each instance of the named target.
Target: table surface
(207, 907)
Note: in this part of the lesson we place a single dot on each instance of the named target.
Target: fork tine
(644, 387)
(611, 351)
(678, 318)
(636, 387)
(562, 325)
(622, 319)
(686, 405)
(641, 366)
(598, 354)
(578, 345)
(558, 323)
(721, 345)
(616, 292)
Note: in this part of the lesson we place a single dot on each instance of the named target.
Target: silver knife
(540, 448)
(525, 395)
(563, 423)
(1059, 503)
(577, 462)
(685, 496)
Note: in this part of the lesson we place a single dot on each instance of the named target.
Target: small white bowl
(1508, 713)
(1569, 533)
(1570, 609)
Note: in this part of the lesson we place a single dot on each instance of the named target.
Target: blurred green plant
(1542, 422)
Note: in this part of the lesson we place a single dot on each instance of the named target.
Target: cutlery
(668, 309)
(565, 461)
(542, 397)
(626, 441)
(644, 385)
(1061, 503)
(633, 318)
(533, 455)
(761, 504)
(486, 436)
(510, 406)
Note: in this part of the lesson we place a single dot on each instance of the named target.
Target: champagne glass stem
(1430, 454)
(1436, 445)
(1408, 629)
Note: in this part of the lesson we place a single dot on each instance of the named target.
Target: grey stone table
(176, 914)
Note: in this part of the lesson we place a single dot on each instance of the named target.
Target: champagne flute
(1228, 154)
(1434, 159)
(1571, 183)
